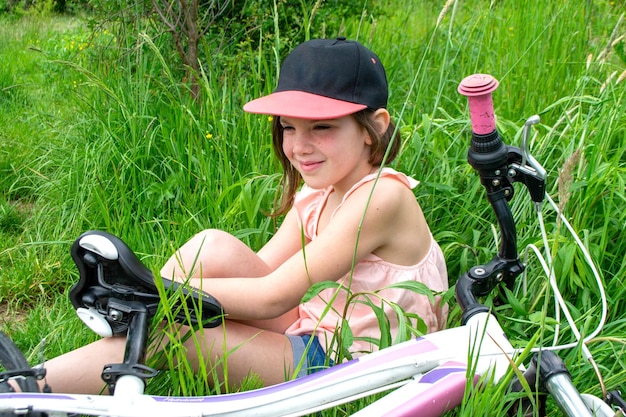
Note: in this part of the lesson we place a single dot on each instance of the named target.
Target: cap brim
(302, 105)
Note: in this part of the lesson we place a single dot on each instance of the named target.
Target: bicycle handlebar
(498, 165)
(489, 155)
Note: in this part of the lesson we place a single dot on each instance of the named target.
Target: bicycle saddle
(113, 283)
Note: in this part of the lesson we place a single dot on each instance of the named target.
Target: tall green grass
(95, 137)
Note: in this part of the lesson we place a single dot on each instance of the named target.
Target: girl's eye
(322, 127)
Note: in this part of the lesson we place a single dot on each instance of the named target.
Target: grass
(95, 139)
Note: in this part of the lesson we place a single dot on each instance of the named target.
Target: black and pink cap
(326, 79)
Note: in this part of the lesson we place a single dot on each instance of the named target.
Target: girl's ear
(381, 120)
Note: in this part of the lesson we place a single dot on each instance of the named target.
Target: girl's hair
(386, 143)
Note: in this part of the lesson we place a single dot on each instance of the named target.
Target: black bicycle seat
(112, 275)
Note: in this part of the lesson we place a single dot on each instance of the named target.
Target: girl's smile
(308, 166)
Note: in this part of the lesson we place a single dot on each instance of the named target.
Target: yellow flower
(270, 118)
(208, 135)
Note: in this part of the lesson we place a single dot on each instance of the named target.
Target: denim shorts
(315, 358)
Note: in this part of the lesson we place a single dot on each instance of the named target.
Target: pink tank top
(371, 274)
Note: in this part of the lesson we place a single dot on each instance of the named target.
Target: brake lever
(527, 158)
(524, 167)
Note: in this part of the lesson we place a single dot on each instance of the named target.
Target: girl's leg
(78, 371)
(215, 253)
(237, 350)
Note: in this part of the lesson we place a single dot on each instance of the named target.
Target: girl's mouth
(309, 166)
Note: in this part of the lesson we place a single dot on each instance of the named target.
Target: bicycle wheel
(11, 358)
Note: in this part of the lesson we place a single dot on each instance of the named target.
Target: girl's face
(327, 152)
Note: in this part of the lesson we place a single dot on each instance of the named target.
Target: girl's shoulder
(393, 174)
(384, 180)
(387, 192)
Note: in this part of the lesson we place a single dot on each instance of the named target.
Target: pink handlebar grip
(477, 88)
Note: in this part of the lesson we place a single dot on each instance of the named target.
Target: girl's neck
(340, 189)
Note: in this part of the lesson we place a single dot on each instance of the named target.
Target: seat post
(136, 343)
(137, 336)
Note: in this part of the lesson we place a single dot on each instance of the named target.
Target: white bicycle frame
(427, 376)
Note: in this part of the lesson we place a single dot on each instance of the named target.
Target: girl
(352, 222)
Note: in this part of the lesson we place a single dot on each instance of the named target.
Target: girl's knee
(209, 253)
(212, 238)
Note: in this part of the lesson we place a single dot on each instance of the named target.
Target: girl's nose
(301, 142)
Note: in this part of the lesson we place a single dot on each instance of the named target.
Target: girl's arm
(286, 241)
(329, 257)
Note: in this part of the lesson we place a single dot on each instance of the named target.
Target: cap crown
(338, 69)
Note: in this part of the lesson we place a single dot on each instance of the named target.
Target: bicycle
(117, 295)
